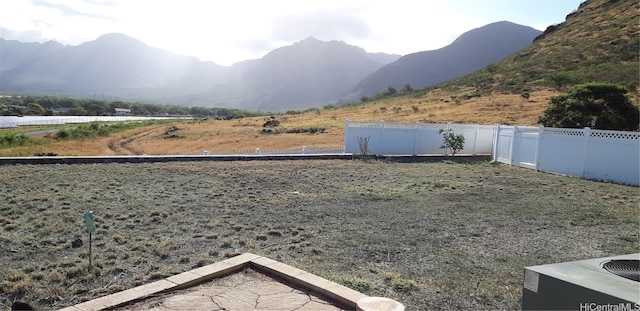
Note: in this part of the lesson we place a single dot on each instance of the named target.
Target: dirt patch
(432, 235)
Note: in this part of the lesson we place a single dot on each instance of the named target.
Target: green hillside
(599, 41)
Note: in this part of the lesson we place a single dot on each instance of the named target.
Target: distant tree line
(48, 106)
(389, 92)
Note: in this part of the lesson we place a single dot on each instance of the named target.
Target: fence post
(587, 134)
(304, 149)
(380, 153)
(494, 143)
(538, 142)
(475, 141)
(257, 150)
(513, 142)
(415, 140)
(346, 131)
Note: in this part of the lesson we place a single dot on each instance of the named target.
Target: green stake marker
(90, 227)
(88, 222)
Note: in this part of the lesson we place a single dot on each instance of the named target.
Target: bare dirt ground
(433, 234)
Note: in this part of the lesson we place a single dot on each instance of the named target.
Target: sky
(230, 31)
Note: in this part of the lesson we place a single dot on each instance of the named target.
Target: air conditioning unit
(603, 284)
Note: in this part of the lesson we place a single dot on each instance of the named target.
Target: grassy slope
(597, 42)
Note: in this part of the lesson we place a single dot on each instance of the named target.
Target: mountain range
(469, 52)
(309, 73)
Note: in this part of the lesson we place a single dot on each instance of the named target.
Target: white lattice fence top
(364, 124)
(615, 135)
(463, 127)
(399, 125)
(431, 126)
(563, 132)
(418, 125)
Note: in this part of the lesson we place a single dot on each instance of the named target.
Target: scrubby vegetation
(12, 139)
(99, 129)
(400, 230)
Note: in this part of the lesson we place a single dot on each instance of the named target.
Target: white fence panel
(503, 144)
(394, 138)
(484, 139)
(594, 154)
(397, 138)
(429, 140)
(470, 132)
(524, 151)
(354, 130)
(613, 155)
(562, 151)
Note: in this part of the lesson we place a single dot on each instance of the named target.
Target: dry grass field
(433, 234)
(219, 136)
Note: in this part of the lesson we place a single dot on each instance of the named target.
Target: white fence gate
(587, 153)
(396, 138)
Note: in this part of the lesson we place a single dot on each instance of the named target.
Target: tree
(35, 109)
(406, 89)
(77, 111)
(596, 105)
(451, 141)
(391, 91)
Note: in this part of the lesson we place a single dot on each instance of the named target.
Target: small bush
(451, 142)
(171, 129)
(12, 139)
(310, 130)
(271, 123)
(170, 132)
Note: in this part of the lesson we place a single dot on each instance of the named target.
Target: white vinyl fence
(395, 138)
(12, 121)
(587, 153)
(303, 150)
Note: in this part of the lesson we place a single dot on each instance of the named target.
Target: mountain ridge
(470, 51)
(309, 73)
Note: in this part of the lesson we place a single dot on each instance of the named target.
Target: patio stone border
(340, 295)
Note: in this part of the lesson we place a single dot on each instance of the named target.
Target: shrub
(451, 141)
(12, 139)
(271, 122)
(311, 130)
(63, 134)
(596, 105)
(363, 145)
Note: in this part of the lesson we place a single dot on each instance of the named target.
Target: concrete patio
(244, 282)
